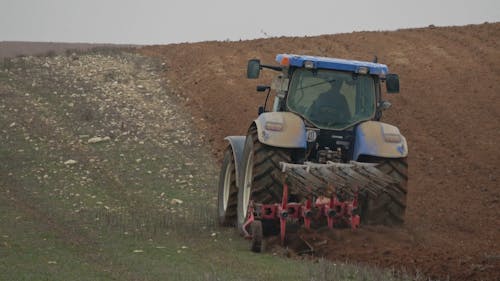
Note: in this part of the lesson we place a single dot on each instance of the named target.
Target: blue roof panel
(334, 64)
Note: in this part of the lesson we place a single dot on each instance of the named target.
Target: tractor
(321, 154)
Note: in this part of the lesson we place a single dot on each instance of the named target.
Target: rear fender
(281, 129)
(379, 139)
(237, 144)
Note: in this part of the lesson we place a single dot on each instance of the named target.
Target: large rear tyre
(389, 207)
(228, 191)
(262, 182)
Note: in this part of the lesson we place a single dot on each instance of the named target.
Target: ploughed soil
(448, 109)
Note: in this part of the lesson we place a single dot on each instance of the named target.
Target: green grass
(32, 251)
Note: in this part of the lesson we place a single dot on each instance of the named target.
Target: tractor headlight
(309, 64)
(274, 126)
(311, 135)
(363, 70)
(392, 138)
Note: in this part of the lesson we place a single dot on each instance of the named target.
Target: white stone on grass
(70, 162)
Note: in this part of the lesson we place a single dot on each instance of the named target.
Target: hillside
(104, 177)
(448, 110)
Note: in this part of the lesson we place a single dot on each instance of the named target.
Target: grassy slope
(110, 216)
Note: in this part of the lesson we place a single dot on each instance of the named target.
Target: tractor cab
(331, 94)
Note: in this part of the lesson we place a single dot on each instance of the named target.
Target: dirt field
(448, 110)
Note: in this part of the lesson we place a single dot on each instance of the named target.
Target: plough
(333, 189)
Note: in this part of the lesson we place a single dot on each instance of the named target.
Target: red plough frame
(337, 213)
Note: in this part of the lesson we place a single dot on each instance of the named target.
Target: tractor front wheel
(228, 191)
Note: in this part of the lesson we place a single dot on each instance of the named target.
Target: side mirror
(253, 69)
(262, 88)
(392, 83)
(261, 109)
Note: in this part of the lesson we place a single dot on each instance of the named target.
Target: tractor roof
(332, 63)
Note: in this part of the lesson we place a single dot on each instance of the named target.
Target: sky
(173, 21)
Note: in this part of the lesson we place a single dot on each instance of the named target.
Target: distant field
(12, 49)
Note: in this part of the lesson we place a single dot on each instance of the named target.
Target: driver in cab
(331, 105)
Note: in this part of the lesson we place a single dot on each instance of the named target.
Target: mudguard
(281, 129)
(379, 139)
(237, 145)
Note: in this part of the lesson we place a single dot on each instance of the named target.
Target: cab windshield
(332, 99)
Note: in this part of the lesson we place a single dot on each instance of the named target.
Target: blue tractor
(320, 148)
